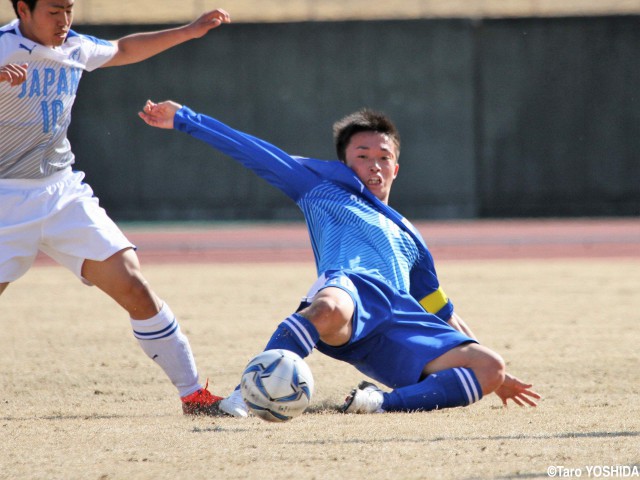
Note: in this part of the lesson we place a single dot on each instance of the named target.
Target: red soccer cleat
(201, 402)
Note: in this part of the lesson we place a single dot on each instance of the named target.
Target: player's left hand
(207, 21)
(518, 391)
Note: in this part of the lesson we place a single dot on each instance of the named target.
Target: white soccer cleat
(367, 398)
(234, 405)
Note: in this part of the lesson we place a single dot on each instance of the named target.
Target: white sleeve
(91, 52)
(96, 51)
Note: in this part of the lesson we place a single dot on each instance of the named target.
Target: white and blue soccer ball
(277, 385)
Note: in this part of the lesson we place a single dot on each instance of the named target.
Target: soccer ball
(277, 385)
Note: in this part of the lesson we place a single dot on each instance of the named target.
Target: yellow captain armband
(433, 302)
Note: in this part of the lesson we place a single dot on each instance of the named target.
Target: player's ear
(23, 9)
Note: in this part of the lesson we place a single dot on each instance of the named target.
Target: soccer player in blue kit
(377, 303)
(45, 206)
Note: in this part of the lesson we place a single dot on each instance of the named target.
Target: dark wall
(560, 122)
(529, 117)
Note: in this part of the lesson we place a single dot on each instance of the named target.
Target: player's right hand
(13, 73)
(161, 114)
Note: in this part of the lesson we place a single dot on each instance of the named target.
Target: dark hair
(30, 3)
(364, 120)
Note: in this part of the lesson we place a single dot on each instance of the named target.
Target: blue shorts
(393, 337)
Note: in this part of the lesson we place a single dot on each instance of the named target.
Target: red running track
(447, 240)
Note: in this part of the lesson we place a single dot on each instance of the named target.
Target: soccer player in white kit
(44, 204)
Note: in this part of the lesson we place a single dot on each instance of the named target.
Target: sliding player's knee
(329, 313)
(490, 371)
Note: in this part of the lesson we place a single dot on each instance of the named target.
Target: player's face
(48, 23)
(373, 157)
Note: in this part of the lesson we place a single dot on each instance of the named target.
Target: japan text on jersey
(35, 116)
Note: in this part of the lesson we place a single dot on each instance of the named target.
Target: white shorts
(57, 215)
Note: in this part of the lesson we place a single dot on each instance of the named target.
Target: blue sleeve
(277, 167)
(425, 288)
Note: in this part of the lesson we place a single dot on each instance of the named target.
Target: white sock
(162, 340)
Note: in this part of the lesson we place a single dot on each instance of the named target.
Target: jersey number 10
(51, 112)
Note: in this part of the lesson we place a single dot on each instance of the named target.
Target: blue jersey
(35, 116)
(350, 229)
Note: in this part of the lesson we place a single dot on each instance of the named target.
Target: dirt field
(79, 399)
(171, 11)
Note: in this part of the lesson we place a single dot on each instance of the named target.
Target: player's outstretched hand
(161, 114)
(518, 391)
(207, 21)
(13, 73)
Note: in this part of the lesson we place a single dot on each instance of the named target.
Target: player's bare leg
(487, 365)
(120, 277)
(330, 312)
(3, 287)
(154, 325)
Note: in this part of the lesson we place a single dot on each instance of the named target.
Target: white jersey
(35, 116)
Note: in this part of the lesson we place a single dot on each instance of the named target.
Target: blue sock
(296, 334)
(455, 387)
